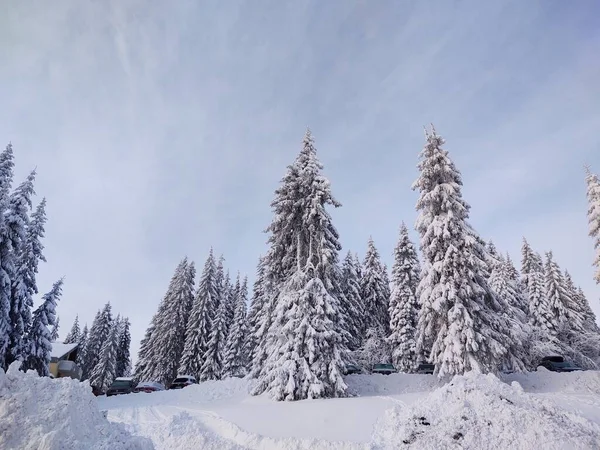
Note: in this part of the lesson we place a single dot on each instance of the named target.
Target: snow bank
(542, 381)
(393, 384)
(477, 411)
(45, 414)
(229, 389)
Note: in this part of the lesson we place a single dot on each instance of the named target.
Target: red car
(149, 386)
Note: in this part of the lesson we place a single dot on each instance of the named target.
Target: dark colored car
(149, 386)
(351, 369)
(558, 364)
(426, 369)
(121, 386)
(182, 381)
(384, 369)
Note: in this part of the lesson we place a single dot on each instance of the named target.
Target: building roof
(59, 349)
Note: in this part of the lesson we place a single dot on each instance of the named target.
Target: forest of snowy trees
(25, 332)
(462, 305)
(104, 349)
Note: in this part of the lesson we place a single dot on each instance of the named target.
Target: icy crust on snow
(543, 381)
(476, 411)
(39, 413)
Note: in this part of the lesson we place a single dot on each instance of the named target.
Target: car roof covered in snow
(123, 378)
(59, 349)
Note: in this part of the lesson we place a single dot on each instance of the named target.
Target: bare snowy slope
(551, 411)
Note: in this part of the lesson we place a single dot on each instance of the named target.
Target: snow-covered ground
(522, 411)
(536, 410)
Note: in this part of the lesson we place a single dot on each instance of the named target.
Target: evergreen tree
(235, 360)
(230, 299)
(26, 251)
(97, 336)
(7, 264)
(576, 312)
(354, 309)
(256, 307)
(39, 337)
(556, 294)
(123, 361)
(303, 351)
(142, 366)
(529, 264)
(461, 318)
(590, 316)
(198, 329)
(54, 335)
(75, 334)
(375, 349)
(167, 339)
(593, 196)
(105, 371)
(375, 290)
(403, 303)
(212, 366)
(82, 347)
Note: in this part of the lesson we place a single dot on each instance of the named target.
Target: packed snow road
(535, 410)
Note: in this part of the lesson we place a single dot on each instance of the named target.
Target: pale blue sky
(161, 128)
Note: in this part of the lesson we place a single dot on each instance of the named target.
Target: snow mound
(542, 381)
(476, 411)
(205, 392)
(393, 384)
(45, 414)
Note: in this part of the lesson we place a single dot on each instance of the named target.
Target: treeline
(103, 350)
(462, 305)
(25, 332)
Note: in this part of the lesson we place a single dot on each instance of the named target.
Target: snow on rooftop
(59, 349)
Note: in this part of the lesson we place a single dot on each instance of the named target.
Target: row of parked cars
(552, 363)
(127, 385)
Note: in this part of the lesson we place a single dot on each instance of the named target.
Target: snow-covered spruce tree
(235, 360)
(375, 290)
(590, 316)
(513, 277)
(74, 334)
(26, 249)
(403, 303)
(7, 263)
(105, 371)
(502, 282)
(142, 366)
(230, 299)
(593, 196)
(529, 263)
(38, 356)
(82, 347)
(256, 307)
(577, 309)
(556, 294)
(375, 349)
(123, 362)
(198, 327)
(540, 313)
(461, 318)
(353, 310)
(98, 334)
(167, 340)
(212, 366)
(303, 350)
(54, 334)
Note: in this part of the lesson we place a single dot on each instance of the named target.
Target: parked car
(149, 386)
(182, 381)
(558, 364)
(384, 369)
(351, 369)
(121, 385)
(426, 369)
